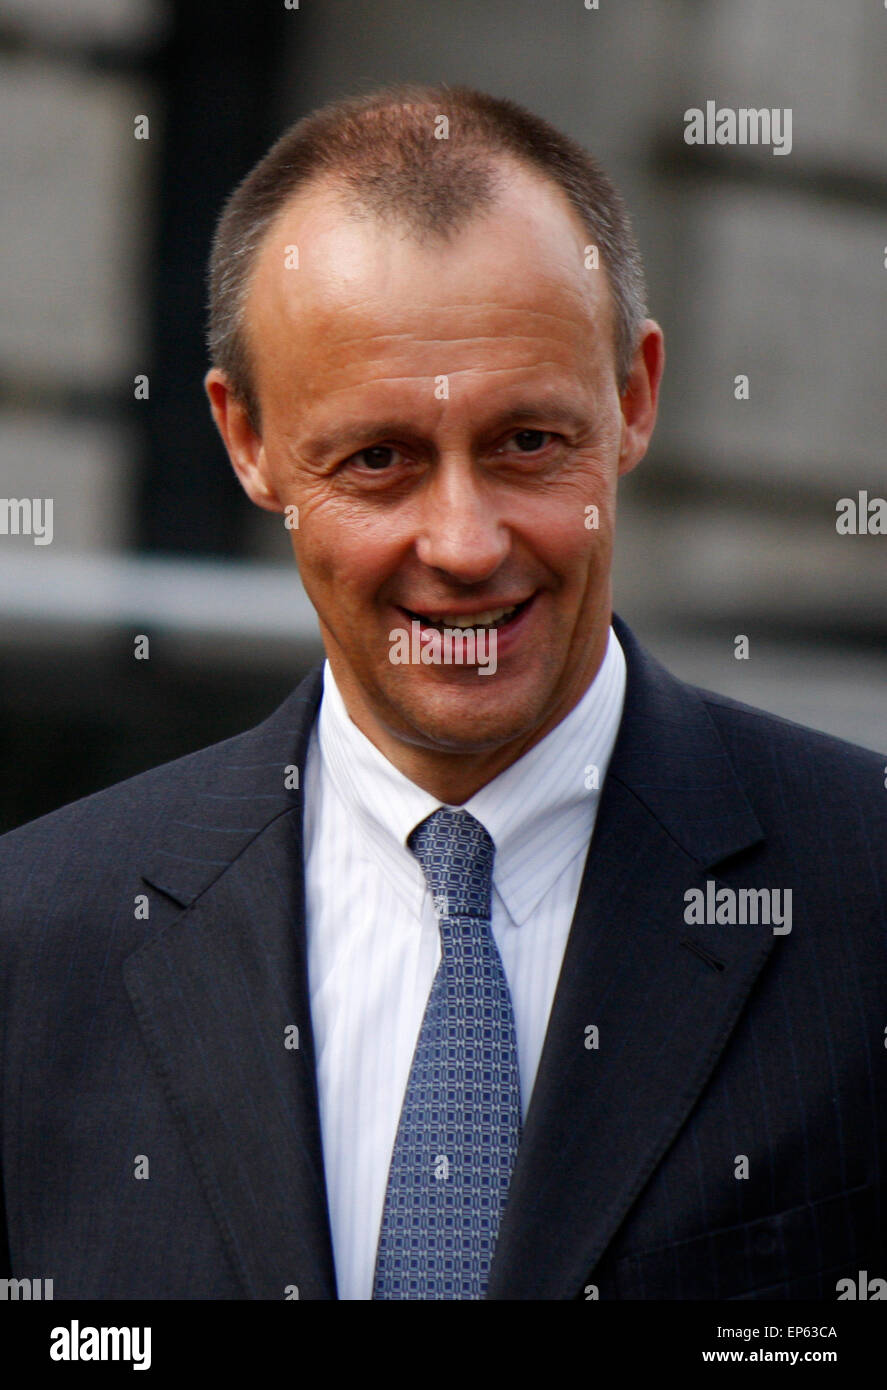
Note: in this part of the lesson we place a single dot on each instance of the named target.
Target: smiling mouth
(468, 622)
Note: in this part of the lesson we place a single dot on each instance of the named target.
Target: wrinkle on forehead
(369, 296)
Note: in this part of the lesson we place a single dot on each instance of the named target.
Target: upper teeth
(463, 620)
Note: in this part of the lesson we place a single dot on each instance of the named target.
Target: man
(508, 967)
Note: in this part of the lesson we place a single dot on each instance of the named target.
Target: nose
(460, 529)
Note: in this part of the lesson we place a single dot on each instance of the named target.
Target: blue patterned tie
(460, 1123)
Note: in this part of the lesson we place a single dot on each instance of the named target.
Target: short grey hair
(380, 149)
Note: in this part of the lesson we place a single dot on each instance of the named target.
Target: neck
(453, 777)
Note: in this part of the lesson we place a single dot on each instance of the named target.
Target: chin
(467, 723)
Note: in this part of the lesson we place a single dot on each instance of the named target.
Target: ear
(245, 448)
(640, 399)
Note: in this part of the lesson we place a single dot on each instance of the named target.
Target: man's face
(446, 418)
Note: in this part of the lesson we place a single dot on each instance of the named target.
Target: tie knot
(456, 854)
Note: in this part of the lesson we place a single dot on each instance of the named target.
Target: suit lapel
(663, 996)
(218, 991)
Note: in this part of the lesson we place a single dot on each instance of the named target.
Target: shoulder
(749, 731)
(823, 799)
(688, 750)
(126, 814)
(676, 715)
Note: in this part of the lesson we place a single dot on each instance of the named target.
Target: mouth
(491, 618)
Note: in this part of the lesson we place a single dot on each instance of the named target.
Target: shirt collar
(539, 812)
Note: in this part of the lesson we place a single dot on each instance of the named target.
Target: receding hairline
(328, 183)
(381, 146)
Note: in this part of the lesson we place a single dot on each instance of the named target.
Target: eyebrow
(337, 441)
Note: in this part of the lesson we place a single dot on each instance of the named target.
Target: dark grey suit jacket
(722, 1049)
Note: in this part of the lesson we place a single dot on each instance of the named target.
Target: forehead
(512, 279)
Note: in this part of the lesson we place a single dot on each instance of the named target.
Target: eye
(377, 457)
(531, 441)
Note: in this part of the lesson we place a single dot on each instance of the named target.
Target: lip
(467, 612)
(507, 637)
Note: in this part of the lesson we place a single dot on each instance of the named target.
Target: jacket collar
(220, 991)
(668, 754)
(224, 796)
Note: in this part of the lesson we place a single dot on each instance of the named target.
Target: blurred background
(768, 266)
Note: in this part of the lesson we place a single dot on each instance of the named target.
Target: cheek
(321, 543)
(341, 551)
(579, 555)
(345, 560)
(315, 558)
(572, 529)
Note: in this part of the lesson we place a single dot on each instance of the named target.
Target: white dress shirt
(373, 938)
